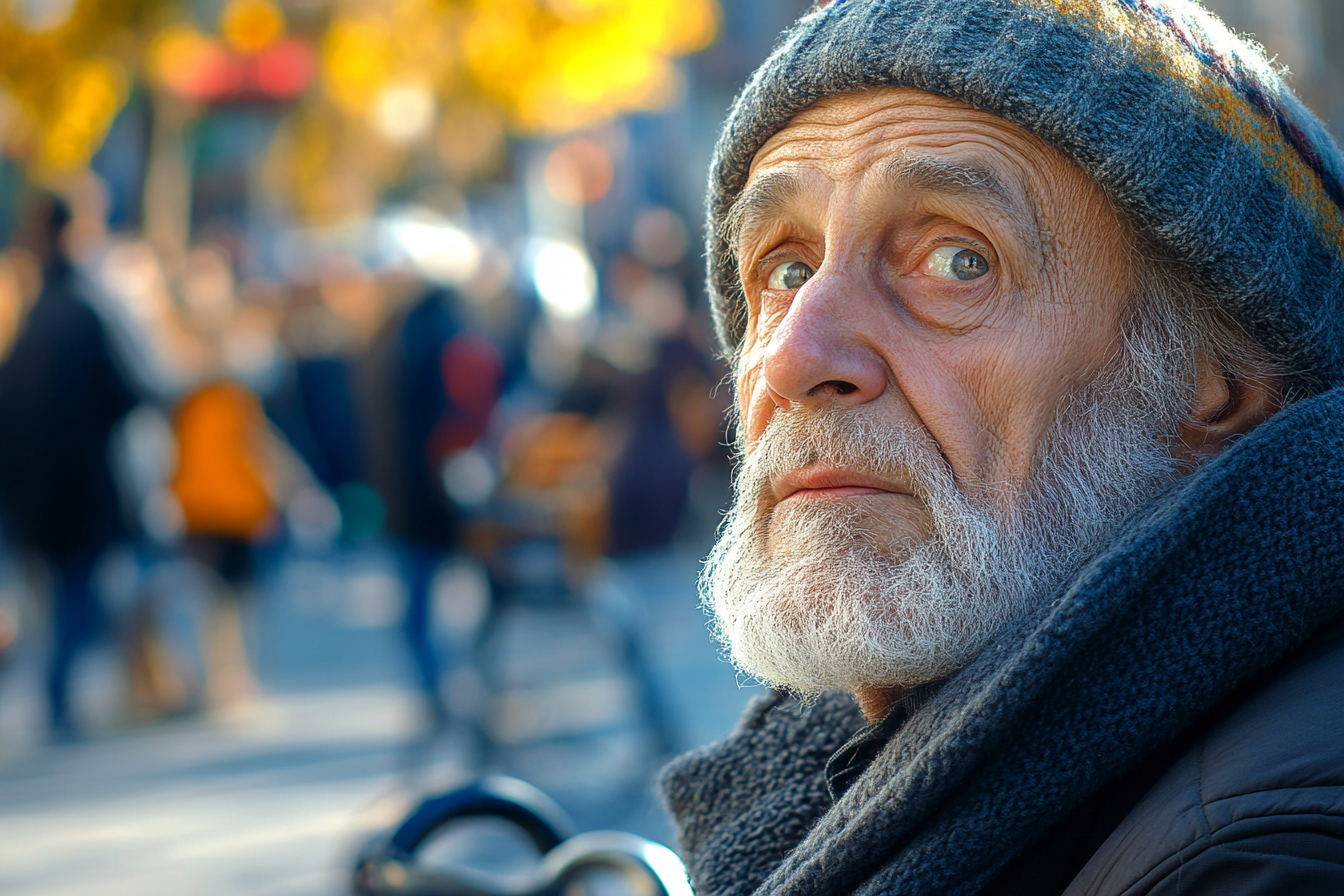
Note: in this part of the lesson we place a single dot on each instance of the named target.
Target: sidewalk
(267, 806)
(275, 803)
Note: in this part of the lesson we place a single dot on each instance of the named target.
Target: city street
(276, 800)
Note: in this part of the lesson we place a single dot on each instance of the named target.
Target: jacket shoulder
(1254, 806)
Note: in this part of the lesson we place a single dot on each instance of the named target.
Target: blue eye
(956, 263)
(790, 275)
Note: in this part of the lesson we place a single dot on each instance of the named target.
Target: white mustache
(846, 438)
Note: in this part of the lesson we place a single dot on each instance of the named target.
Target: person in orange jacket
(223, 486)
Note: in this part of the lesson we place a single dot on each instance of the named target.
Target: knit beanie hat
(1189, 129)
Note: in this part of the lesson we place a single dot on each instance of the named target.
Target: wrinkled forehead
(849, 135)
(892, 141)
(857, 105)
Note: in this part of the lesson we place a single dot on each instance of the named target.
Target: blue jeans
(75, 619)
(418, 564)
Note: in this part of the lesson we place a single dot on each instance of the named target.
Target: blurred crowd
(428, 398)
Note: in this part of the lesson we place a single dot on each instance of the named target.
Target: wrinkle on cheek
(772, 315)
(958, 316)
(754, 406)
(995, 428)
(1083, 343)
(1021, 407)
(746, 388)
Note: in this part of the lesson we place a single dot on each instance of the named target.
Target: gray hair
(1172, 322)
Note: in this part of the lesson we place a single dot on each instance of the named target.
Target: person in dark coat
(1036, 314)
(429, 387)
(61, 393)
(649, 481)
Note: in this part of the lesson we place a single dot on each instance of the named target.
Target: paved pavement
(275, 801)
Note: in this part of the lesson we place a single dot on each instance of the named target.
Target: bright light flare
(565, 280)
(441, 252)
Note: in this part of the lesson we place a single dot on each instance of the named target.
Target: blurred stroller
(541, 539)
(536, 529)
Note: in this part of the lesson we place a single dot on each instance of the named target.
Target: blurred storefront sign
(196, 67)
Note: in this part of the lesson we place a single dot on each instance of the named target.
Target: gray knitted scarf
(1219, 577)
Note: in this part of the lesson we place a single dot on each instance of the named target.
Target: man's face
(877, 198)
(929, 290)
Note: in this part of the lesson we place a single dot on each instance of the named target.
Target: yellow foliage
(369, 49)
(91, 94)
(551, 65)
(357, 59)
(548, 66)
(563, 65)
(66, 80)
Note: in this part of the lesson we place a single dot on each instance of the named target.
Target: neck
(876, 703)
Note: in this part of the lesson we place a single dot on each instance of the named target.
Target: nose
(822, 351)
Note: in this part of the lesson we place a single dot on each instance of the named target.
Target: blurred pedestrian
(316, 409)
(223, 485)
(430, 385)
(61, 393)
(672, 422)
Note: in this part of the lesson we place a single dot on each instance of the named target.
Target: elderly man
(1035, 308)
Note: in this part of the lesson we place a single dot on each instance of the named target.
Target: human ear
(1224, 408)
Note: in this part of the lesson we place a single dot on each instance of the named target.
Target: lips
(829, 482)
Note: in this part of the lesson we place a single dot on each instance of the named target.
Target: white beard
(815, 598)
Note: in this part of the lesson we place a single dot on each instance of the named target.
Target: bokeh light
(578, 172)
(564, 279)
(250, 26)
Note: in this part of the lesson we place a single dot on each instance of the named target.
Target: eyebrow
(763, 199)
(926, 174)
(773, 193)
(968, 180)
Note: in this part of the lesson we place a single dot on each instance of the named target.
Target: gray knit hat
(1188, 128)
